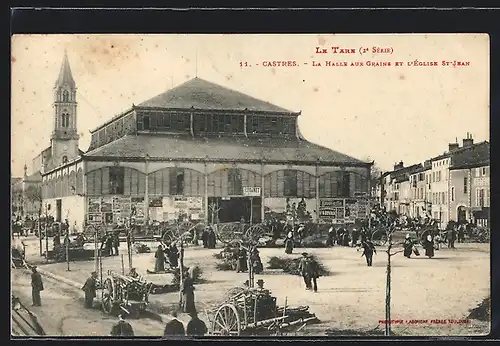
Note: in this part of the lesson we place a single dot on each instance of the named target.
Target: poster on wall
(351, 210)
(116, 204)
(192, 207)
(156, 202)
(94, 218)
(137, 207)
(94, 205)
(107, 205)
(125, 205)
(331, 210)
(363, 209)
(298, 209)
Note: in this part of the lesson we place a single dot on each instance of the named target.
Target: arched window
(64, 160)
(65, 96)
(65, 120)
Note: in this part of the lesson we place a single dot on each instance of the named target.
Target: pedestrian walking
(174, 328)
(304, 270)
(122, 328)
(90, 289)
(313, 269)
(368, 251)
(195, 326)
(331, 236)
(36, 286)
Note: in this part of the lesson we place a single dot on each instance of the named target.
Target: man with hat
(260, 284)
(36, 286)
(304, 270)
(122, 328)
(90, 288)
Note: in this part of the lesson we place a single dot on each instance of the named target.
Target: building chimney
(468, 142)
(398, 166)
(452, 146)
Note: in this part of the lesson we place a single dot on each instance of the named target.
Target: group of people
(208, 238)
(166, 254)
(174, 329)
(110, 243)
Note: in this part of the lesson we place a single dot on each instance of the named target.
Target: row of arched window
(225, 182)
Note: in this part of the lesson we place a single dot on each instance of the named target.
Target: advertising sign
(251, 191)
(94, 205)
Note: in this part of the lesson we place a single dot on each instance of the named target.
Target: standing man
(304, 270)
(461, 233)
(241, 265)
(174, 327)
(313, 269)
(160, 260)
(195, 326)
(368, 251)
(36, 287)
(122, 328)
(116, 242)
(90, 288)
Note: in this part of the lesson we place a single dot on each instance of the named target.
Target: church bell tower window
(65, 120)
(65, 96)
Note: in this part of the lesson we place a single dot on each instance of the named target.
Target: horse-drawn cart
(121, 292)
(254, 310)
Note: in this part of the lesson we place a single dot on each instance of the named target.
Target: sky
(386, 114)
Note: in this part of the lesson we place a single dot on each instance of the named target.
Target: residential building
(453, 186)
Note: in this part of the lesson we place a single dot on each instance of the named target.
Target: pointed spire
(65, 75)
(25, 170)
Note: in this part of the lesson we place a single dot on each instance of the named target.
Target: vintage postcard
(250, 185)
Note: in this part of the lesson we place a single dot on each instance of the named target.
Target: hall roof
(239, 149)
(201, 94)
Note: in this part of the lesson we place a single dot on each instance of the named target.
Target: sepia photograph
(230, 185)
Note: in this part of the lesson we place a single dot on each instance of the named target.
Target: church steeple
(65, 76)
(65, 136)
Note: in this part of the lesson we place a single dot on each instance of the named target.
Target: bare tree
(386, 226)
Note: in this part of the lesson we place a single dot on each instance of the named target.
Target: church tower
(64, 139)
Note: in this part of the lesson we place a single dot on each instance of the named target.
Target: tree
(33, 194)
(387, 223)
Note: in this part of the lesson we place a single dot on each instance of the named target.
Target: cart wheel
(108, 296)
(226, 321)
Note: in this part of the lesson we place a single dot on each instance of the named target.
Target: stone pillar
(146, 192)
(191, 124)
(262, 207)
(84, 192)
(245, 125)
(317, 192)
(205, 200)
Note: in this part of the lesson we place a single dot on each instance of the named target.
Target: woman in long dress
(289, 243)
(408, 246)
(429, 246)
(188, 293)
(160, 260)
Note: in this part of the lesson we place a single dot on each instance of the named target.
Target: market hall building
(201, 150)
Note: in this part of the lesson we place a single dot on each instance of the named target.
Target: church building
(201, 151)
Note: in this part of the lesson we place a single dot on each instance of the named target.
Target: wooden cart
(121, 292)
(254, 311)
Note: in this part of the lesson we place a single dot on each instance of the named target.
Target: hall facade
(207, 153)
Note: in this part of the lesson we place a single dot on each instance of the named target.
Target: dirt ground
(433, 291)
